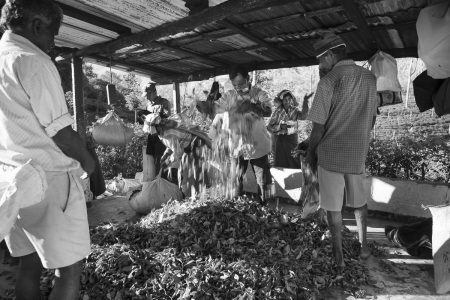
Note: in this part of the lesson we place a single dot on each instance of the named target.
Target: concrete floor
(396, 275)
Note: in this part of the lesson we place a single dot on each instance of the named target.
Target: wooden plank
(241, 30)
(356, 16)
(142, 68)
(77, 88)
(405, 197)
(206, 16)
(94, 20)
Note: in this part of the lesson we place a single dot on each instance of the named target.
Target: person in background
(246, 99)
(160, 108)
(35, 125)
(343, 113)
(283, 124)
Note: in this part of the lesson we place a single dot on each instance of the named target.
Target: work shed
(189, 40)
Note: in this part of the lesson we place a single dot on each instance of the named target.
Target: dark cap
(150, 87)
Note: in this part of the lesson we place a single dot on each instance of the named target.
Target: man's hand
(311, 159)
(71, 144)
(306, 97)
(243, 107)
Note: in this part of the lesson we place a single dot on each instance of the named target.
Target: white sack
(154, 194)
(111, 130)
(433, 30)
(384, 67)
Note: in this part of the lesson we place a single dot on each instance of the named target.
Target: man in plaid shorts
(343, 114)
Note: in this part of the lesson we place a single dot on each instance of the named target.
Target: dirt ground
(395, 275)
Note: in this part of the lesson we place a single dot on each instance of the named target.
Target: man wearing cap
(343, 114)
(159, 107)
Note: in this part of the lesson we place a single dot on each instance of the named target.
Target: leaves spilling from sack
(217, 249)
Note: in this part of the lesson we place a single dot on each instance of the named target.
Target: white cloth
(20, 187)
(32, 107)
(433, 31)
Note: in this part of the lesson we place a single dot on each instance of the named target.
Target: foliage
(217, 249)
(126, 160)
(423, 159)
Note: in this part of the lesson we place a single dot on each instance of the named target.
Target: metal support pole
(176, 97)
(78, 105)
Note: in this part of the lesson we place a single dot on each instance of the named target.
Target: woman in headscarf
(283, 124)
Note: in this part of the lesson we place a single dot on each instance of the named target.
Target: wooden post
(176, 97)
(77, 88)
(148, 166)
(409, 83)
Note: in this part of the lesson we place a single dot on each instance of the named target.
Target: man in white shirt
(35, 124)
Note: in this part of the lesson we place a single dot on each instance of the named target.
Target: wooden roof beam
(129, 66)
(398, 26)
(308, 14)
(244, 32)
(355, 15)
(213, 14)
(94, 20)
(207, 74)
(190, 53)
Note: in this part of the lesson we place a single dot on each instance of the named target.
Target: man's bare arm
(314, 140)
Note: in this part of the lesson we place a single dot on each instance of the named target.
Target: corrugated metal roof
(378, 8)
(208, 46)
(71, 36)
(292, 27)
(145, 13)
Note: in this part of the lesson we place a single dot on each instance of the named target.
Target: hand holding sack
(384, 67)
(111, 130)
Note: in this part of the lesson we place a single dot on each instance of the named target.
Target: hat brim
(333, 47)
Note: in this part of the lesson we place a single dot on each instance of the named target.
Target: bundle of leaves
(216, 249)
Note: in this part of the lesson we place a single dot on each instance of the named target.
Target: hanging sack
(441, 99)
(441, 247)
(424, 87)
(154, 194)
(433, 31)
(111, 130)
(384, 67)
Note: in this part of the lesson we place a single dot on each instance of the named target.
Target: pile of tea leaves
(217, 249)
